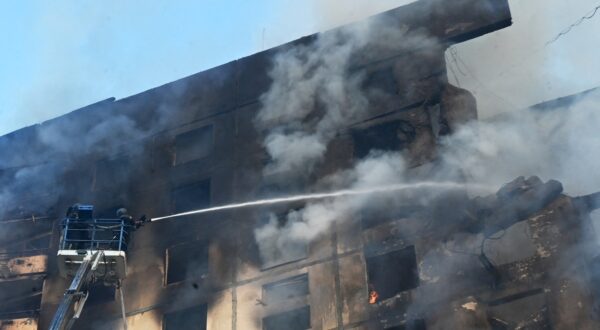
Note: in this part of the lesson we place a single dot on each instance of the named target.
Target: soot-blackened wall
(193, 143)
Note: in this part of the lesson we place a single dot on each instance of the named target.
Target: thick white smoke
(316, 92)
(557, 144)
(56, 147)
(308, 77)
(513, 68)
(561, 144)
(302, 226)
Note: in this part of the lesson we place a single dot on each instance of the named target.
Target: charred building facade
(200, 142)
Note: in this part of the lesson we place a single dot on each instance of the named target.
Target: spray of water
(333, 194)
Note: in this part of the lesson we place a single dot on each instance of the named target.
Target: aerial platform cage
(83, 236)
(91, 250)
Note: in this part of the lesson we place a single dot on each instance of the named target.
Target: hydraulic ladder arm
(76, 295)
(87, 243)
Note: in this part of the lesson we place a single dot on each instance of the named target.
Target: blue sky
(61, 55)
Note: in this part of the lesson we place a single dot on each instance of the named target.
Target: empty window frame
(390, 136)
(293, 287)
(191, 197)
(393, 272)
(195, 144)
(190, 318)
(297, 319)
(187, 261)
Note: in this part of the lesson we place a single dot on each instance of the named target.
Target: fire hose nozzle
(141, 221)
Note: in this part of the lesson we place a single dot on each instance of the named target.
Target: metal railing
(95, 234)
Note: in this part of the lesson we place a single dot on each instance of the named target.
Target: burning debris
(373, 295)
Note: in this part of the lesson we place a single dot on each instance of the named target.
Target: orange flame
(373, 296)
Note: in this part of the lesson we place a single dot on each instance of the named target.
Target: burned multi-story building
(510, 259)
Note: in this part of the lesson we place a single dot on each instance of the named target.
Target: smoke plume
(309, 77)
(558, 143)
(553, 144)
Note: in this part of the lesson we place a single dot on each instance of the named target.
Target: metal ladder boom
(74, 298)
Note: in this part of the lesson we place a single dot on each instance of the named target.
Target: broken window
(297, 319)
(191, 197)
(189, 318)
(392, 273)
(390, 136)
(192, 145)
(187, 261)
(289, 288)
